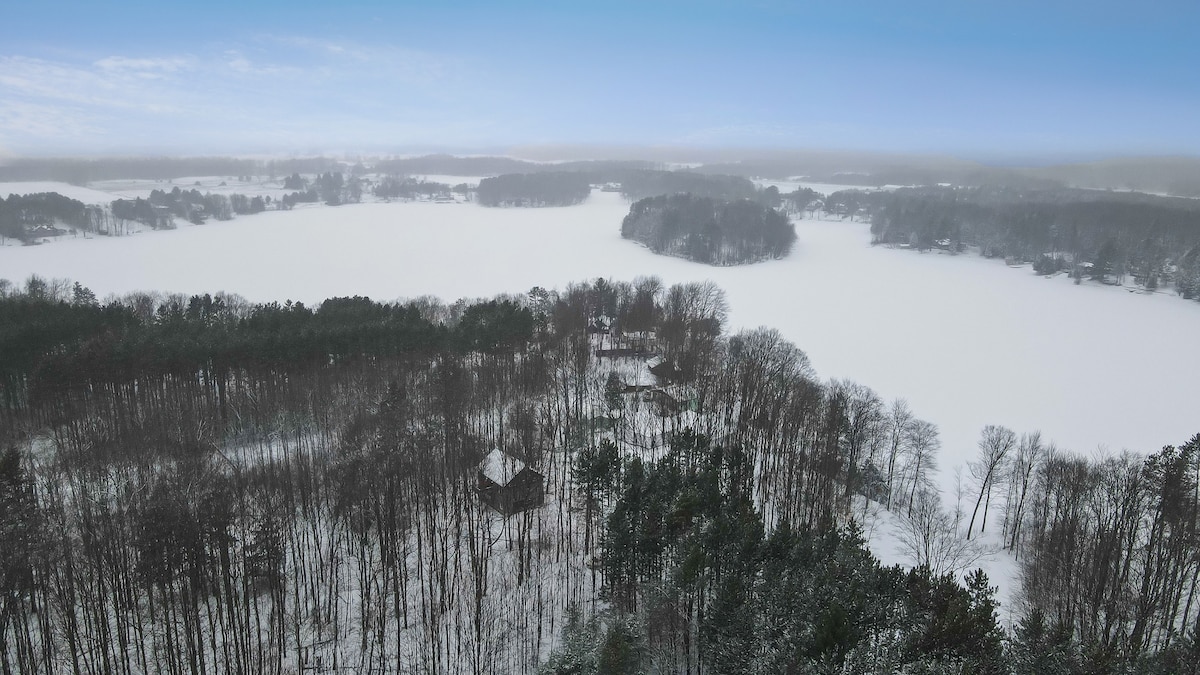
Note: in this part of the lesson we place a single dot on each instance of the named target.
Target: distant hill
(1179, 176)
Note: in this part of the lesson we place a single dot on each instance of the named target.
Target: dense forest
(449, 165)
(550, 188)
(706, 230)
(84, 171)
(637, 185)
(21, 216)
(1104, 236)
(568, 187)
(30, 217)
(200, 484)
(160, 208)
(332, 187)
(405, 187)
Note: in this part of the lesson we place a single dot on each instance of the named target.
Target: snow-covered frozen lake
(969, 342)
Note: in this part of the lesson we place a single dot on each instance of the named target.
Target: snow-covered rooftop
(500, 467)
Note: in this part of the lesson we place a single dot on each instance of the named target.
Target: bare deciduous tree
(929, 537)
(994, 445)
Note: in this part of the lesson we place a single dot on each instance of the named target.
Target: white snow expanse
(968, 342)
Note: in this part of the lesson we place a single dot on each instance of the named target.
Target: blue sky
(981, 80)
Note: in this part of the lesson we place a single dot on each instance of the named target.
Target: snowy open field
(968, 342)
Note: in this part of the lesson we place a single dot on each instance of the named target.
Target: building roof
(500, 467)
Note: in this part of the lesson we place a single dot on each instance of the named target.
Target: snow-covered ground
(968, 341)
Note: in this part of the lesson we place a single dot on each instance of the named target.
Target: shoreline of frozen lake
(967, 341)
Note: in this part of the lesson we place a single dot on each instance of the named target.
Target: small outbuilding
(508, 485)
(664, 370)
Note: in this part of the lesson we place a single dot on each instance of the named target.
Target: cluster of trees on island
(706, 230)
(22, 215)
(406, 187)
(1102, 235)
(713, 219)
(331, 187)
(29, 217)
(201, 484)
(554, 188)
(161, 207)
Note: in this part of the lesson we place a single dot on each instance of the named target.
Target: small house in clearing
(508, 485)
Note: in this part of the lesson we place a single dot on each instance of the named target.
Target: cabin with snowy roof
(508, 485)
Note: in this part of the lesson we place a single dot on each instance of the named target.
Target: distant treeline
(641, 184)
(558, 188)
(161, 206)
(709, 230)
(403, 187)
(564, 188)
(1104, 235)
(30, 217)
(1168, 175)
(493, 166)
(878, 175)
(83, 171)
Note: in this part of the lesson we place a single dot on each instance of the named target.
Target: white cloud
(30, 79)
(18, 118)
(237, 62)
(266, 90)
(386, 62)
(121, 64)
(319, 46)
